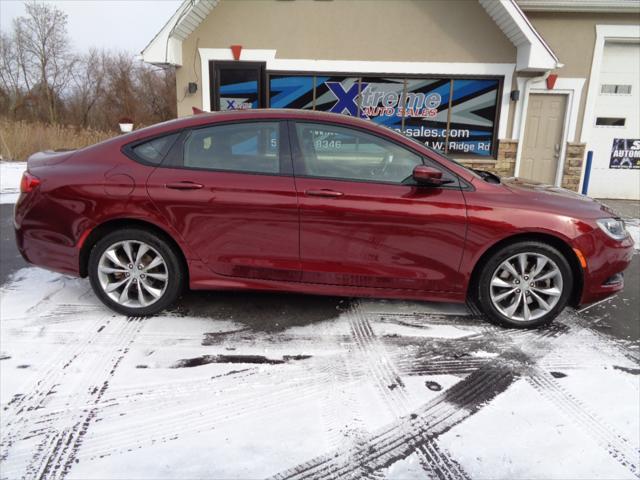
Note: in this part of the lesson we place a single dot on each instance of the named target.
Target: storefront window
(473, 112)
(456, 116)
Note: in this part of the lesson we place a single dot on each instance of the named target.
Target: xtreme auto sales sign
(625, 153)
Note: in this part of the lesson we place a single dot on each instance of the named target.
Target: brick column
(573, 166)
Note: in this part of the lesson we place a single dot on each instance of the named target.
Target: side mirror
(424, 175)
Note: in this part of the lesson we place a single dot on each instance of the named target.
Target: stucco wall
(572, 36)
(407, 30)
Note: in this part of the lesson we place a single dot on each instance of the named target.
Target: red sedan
(311, 202)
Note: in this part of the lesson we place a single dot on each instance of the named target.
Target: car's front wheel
(525, 284)
(135, 272)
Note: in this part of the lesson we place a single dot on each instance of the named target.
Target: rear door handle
(323, 193)
(184, 185)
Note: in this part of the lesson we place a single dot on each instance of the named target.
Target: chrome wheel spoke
(126, 246)
(124, 295)
(498, 282)
(141, 251)
(526, 313)
(154, 292)
(153, 264)
(141, 298)
(111, 255)
(504, 295)
(511, 269)
(552, 292)
(157, 276)
(112, 287)
(546, 276)
(541, 301)
(113, 270)
(541, 262)
(522, 263)
(514, 306)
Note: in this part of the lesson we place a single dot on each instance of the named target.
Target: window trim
(299, 163)
(285, 160)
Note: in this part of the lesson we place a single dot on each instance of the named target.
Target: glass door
(237, 85)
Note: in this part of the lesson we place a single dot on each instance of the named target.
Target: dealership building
(534, 88)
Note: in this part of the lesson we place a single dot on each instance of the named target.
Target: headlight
(613, 227)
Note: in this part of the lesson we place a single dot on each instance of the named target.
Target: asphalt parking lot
(251, 385)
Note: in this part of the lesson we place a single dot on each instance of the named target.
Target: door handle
(323, 193)
(184, 185)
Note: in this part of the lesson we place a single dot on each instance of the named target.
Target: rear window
(154, 150)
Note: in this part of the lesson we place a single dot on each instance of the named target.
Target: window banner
(381, 100)
(291, 91)
(473, 111)
(427, 110)
(237, 95)
(337, 94)
(625, 153)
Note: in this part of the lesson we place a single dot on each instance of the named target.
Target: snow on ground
(10, 175)
(376, 389)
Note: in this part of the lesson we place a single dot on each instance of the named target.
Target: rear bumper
(48, 254)
(607, 259)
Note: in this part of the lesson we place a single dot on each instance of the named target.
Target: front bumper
(606, 261)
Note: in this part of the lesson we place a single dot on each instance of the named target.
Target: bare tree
(46, 61)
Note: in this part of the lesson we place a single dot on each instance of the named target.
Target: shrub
(20, 139)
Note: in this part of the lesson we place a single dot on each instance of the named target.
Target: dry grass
(19, 139)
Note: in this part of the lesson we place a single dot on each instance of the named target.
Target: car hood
(557, 200)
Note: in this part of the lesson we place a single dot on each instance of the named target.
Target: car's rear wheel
(135, 272)
(525, 284)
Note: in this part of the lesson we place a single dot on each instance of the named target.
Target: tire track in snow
(165, 426)
(616, 445)
(15, 413)
(405, 435)
(61, 439)
(389, 383)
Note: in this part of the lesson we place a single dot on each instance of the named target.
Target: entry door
(543, 137)
(237, 85)
(362, 221)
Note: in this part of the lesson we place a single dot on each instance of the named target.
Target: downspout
(522, 118)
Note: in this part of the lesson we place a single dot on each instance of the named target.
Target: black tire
(174, 268)
(483, 287)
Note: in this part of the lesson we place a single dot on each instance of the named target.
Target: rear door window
(248, 147)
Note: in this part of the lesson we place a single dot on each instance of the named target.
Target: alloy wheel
(526, 286)
(133, 273)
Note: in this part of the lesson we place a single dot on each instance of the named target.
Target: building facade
(525, 88)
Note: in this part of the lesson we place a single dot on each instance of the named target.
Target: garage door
(615, 133)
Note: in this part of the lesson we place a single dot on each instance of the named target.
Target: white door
(543, 137)
(615, 125)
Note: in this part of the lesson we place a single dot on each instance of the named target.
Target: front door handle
(323, 193)
(184, 185)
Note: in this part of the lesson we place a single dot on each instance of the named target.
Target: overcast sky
(114, 24)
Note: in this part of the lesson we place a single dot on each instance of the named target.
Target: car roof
(206, 118)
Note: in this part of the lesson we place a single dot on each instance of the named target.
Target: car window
(241, 147)
(154, 150)
(345, 153)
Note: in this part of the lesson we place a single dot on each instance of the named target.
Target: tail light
(28, 182)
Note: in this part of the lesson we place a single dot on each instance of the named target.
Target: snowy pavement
(357, 389)
(10, 175)
(247, 385)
